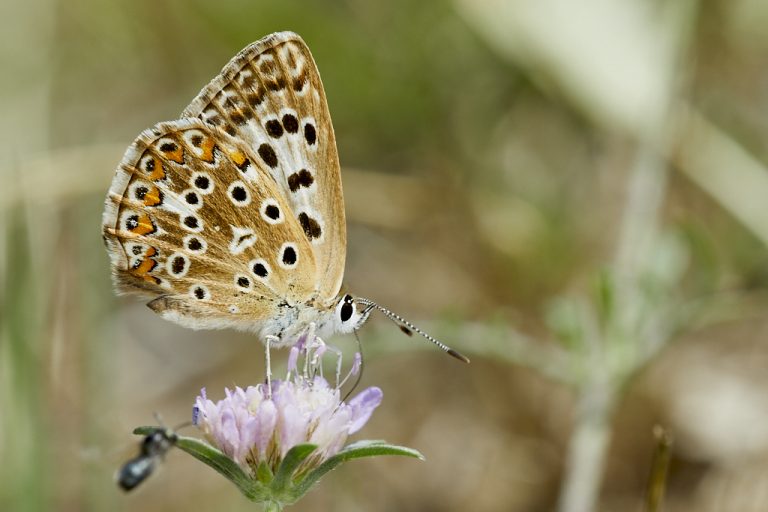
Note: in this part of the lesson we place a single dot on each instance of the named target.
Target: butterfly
(232, 216)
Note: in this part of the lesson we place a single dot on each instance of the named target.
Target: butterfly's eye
(345, 313)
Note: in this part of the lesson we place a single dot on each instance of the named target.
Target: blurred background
(574, 194)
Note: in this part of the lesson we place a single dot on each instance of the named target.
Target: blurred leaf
(605, 296)
(565, 317)
(613, 60)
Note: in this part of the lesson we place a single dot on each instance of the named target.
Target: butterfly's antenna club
(408, 328)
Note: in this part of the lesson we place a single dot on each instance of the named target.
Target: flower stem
(273, 506)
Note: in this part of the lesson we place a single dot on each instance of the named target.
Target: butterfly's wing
(194, 220)
(270, 96)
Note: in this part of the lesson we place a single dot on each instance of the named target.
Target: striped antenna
(408, 328)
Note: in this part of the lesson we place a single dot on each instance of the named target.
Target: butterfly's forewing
(270, 97)
(194, 219)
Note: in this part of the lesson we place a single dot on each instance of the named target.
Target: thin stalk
(587, 450)
(591, 436)
(659, 469)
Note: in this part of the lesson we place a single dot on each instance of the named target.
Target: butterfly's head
(349, 315)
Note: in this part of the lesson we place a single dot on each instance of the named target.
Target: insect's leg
(309, 343)
(267, 362)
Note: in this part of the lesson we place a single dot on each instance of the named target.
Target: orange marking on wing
(146, 266)
(237, 157)
(177, 155)
(158, 173)
(144, 225)
(207, 148)
(152, 198)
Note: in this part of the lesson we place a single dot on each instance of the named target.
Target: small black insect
(152, 449)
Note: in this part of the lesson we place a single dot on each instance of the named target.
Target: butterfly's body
(233, 215)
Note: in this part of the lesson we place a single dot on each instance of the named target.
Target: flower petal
(362, 407)
(266, 419)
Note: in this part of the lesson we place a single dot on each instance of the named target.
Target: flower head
(251, 427)
(260, 424)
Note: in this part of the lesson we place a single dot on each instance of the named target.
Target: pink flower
(252, 425)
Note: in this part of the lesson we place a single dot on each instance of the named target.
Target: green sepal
(288, 466)
(264, 473)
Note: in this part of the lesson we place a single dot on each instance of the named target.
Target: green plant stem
(272, 506)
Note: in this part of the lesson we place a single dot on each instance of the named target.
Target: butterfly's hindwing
(194, 218)
(271, 98)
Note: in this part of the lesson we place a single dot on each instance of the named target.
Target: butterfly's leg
(317, 357)
(267, 362)
(309, 343)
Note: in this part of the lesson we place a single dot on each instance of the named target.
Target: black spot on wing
(310, 226)
(289, 255)
(310, 134)
(290, 123)
(260, 270)
(274, 128)
(268, 155)
(303, 178)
